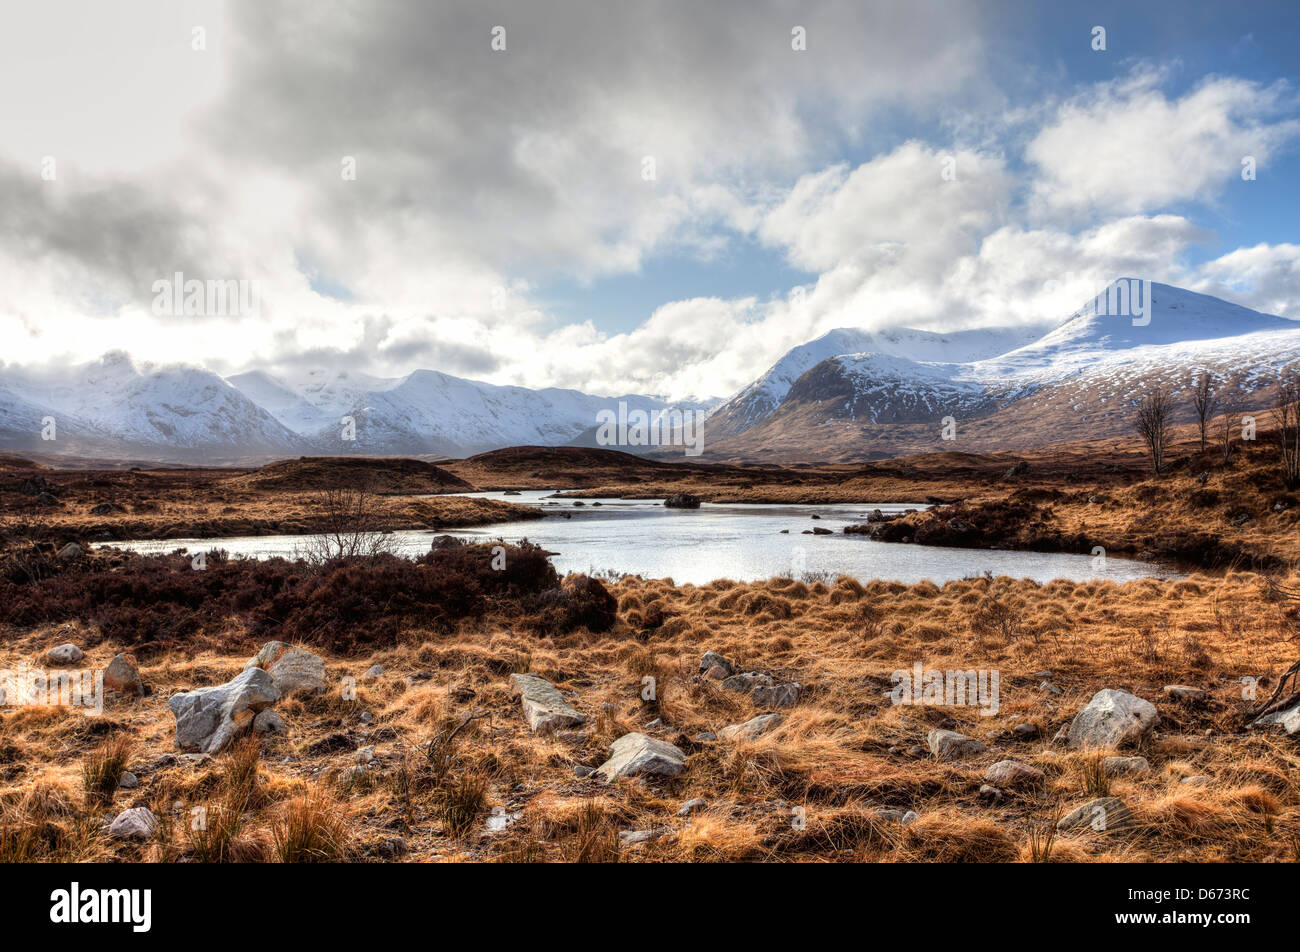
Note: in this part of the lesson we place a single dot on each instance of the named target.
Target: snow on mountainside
(761, 398)
(1080, 380)
(177, 410)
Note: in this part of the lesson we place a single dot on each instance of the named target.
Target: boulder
(753, 728)
(64, 654)
(682, 501)
(635, 755)
(1112, 719)
(950, 745)
(292, 669)
(544, 706)
(1010, 773)
(138, 823)
(1100, 816)
(209, 719)
(123, 676)
(70, 551)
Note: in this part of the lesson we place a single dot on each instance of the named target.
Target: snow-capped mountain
(1079, 380)
(761, 398)
(174, 411)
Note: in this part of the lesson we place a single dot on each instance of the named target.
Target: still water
(740, 541)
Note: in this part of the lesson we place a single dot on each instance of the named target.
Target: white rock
(544, 706)
(138, 823)
(292, 669)
(635, 754)
(64, 654)
(1112, 719)
(1133, 766)
(1009, 773)
(950, 745)
(208, 719)
(753, 728)
(1100, 816)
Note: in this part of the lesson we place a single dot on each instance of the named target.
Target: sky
(621, 198)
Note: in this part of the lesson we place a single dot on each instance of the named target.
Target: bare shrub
(1153, 425)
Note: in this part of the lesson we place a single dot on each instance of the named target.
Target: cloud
(1125, 147)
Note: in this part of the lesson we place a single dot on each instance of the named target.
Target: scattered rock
(705, 736)
(1198, 781)
(544, 707)
(128, 780)
(582, 770)
(1289, 720)
(373, 672)
(70, 551)
(635, 754)
(123, 676)
(654, 725)
(352, 775)
(1050, 688)
(64, 654)
(1121, 766)
(137, 823)
(292, 669)
(1101, 815)
(711, 661)
(753, 728)
(1025, 731)
(208, 719)
(950, 745)
(1113, 719)
(1181, 692)
(682, 501)
(393, 848)
(364, 755)
(634, 837)
(988, 792)
(1010, 773)
(692, 806)
(269, 722)
(765, 690)
(905, 817)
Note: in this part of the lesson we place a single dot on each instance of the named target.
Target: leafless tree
(348, 526)
(1225, 432)
(1153, 425)
(1286, 414)
(1206, 400)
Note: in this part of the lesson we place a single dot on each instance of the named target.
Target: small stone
(718, 673)
(1121, 766)
(393, 848)
(765, 690)
(905, 817)
(1181, 692)
(654, 725)
(1100, 815)
(70, 551)
(137, 823)
(988, 792)
(64, 654)
(582, 770)
(705, 736)
(269, 722)
(128, 780)
(1043, 675)
(373, 672)
(1197, 781)
(634, 837)
(365, 754)
(950, 745)
(123, 676)
(711, 660)
(351, 775)
(1009, 773)
(753, 728)
(692, 806)
(1025, 731)
(1050, 688)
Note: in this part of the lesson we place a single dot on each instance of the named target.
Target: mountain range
(850, 394)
